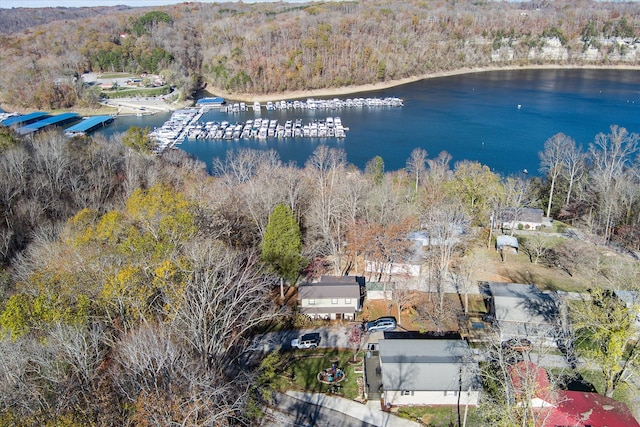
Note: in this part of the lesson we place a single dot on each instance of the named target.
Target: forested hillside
(131, 284)
(277, 47)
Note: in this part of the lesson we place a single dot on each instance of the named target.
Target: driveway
(336, 336)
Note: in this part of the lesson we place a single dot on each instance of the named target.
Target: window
(312, 302)
(450, 393)
(334, 300)
(407, 392)
(347, 300)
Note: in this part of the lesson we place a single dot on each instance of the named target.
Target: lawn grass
(440, 416)
(117, 76)
(596, 378)
(300, 368)
(133, 92)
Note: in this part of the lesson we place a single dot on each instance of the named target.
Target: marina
(186, 125)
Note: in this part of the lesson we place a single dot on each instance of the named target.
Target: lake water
(471, 116)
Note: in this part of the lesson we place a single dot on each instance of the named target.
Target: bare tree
(610, 155)
(551, 160)
(445, 224)
(416, 165)
(574, 166)
(225, 297)
(325, 169)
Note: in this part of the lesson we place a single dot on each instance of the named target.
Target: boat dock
(330, 127)
(58, 120)
(27, 119)
(88, 125)
(315, 104)
(176, 129)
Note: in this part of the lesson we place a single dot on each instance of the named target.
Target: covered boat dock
(59, 120)
(88, 124)
(27, 119)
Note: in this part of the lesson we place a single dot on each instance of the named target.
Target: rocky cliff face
(614, 50)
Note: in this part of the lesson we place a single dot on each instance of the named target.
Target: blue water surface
(499, 118)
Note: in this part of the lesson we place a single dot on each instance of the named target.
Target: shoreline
(347, 90)
(133, 106)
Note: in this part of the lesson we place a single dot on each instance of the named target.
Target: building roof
(49, 121)
(89, 123)
(525, 307)
(27, 118)
(507, 241)
(331, 287)
(582, 409)
(527, 378)
(211, 100)
(578, 408)
(425, 364)
(533, 215)
(342, 279)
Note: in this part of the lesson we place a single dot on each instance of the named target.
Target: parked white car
(306, 341)
(381, 324)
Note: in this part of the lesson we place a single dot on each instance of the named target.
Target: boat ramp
(88, 125)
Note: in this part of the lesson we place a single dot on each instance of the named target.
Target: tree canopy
(282, 243)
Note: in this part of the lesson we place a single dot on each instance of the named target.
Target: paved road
(289, 411)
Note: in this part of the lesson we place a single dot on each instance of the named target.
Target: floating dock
(59, 120)
(88, 125)
(27, 119)
(210, 102)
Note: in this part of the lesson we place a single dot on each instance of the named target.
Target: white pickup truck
(306, 341)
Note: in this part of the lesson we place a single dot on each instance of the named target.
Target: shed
(507, 243)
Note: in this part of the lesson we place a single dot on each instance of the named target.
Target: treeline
(132, 283)
(19, 19)
(277, 47)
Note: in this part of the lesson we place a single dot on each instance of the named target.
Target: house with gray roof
(525, 218)
(428, 371)
(523, 310)
(333, 297)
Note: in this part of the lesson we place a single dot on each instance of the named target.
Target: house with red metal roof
(566, 408)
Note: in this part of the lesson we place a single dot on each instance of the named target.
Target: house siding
(395, 398)
(327, 310)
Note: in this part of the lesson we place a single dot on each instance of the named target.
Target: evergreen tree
(282, 244)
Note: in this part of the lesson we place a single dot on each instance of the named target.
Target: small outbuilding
(506, 244)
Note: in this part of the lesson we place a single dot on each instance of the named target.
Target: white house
(429, 371)
(333, 297)
(525, 218)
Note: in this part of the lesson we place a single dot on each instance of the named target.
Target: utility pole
(459, 393)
